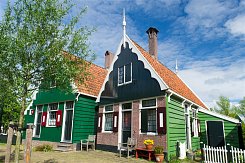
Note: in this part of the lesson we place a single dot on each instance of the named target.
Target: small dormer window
(125, 74)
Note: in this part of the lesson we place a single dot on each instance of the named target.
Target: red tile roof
(170, 78)
(94, 78)
(94, 81)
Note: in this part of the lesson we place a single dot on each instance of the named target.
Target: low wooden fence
(223, 155)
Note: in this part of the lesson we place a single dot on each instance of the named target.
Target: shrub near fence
(223, 155)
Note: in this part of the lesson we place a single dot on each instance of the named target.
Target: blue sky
(207, 37)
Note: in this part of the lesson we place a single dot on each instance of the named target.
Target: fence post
(202, 146)
(28, 145)
(9, 143)
(229, 156)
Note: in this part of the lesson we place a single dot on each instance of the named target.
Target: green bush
(44, 148)
(158, 150)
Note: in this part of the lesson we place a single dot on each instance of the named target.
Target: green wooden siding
(52, 134)
(195, 143)
(85, 116)
(28, 119)
(53, 95)
(230, 129)
(175, 125)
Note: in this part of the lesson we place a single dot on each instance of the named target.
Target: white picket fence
(221, 155)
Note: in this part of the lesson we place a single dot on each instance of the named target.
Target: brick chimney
(108, 59)
(152, 37)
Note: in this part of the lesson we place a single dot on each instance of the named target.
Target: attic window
(125, 74)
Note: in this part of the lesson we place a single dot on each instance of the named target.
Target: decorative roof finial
(176, 67)
(124, 28)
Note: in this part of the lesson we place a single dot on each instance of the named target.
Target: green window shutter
(144, 121)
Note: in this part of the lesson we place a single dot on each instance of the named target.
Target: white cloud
(236, 26)
(210, 82)
(206, 13)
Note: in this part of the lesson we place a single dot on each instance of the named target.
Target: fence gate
(223, 155)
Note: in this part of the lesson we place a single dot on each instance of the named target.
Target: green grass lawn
(96, 156)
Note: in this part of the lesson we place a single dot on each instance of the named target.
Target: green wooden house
(61, 117)
(143, 99)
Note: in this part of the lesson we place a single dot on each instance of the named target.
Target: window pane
(39, 108)
(38, 123)
(151, 115)
(148, 103)
(52, 118)
(126, 125)
(109, 108)
(69, 105)
(120, 75)
(127, 106)
(143, 121)
(108, 121)
(38, 126)
(53, 106)
(128, 72)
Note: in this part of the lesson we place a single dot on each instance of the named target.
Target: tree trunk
(9, 143)
(20, 125)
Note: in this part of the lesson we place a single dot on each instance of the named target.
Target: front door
(67, 128)
(126, 126)
(215, 133)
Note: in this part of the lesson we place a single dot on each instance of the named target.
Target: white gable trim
(147, 65)
(33, 97)
(219, 115)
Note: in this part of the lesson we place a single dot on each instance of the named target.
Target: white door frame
(63, 123)
(206, 127)
(188, 133)
(121, 120)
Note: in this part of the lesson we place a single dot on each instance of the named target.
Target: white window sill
(124, 83)
(149, 133)
(107, 132)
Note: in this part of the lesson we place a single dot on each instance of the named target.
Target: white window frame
(35, 121)
(48, 112)
(145, 108)
(104, 118)
(195, 122)
(124, 74)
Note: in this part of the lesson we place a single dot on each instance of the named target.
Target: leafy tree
(241, 108)
(224, 107)
(9, 106)
(33, 35)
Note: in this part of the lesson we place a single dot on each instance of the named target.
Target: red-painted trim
(161, 129)
(115, 124)
(44, 119)
(58, 118)
(99, 127)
